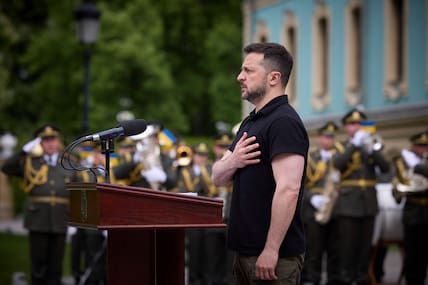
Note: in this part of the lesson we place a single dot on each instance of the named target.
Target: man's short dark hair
(276, 57)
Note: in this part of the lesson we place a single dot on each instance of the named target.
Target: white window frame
(395, 80)
(290, 23)
(353, 53)
(321, 98)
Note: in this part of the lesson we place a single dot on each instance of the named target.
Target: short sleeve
(287, 135)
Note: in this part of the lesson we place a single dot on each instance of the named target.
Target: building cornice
(387, 117)
(262, 3)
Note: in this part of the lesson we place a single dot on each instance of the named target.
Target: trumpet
(373, 142)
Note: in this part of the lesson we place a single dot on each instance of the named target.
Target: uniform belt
(358, 183)
(316, 190)
(50, 199)
(420, 201)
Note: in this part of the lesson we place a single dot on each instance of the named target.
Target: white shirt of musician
(410, 158)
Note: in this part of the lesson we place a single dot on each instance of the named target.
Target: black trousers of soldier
(416, 258)
(46, 254)
(355, 239)
(218, 269)
(196, 256)
(86, 245)
(321, 241)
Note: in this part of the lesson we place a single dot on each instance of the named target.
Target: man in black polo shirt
(266, 162)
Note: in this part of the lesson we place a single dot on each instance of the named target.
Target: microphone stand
(107, 147)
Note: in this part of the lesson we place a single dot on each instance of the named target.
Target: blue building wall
(373, 47)
(373, 53)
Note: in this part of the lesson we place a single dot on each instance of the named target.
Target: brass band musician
(220, 264)
(320, 196)
(411, 182)
(143, 164)
(194, 176)
(89, 244)
(357, 205)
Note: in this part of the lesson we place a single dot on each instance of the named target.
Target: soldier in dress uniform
(126, 149)
(147, 166)
(320, 196)
(47, 208)
(356, 206)
(219, 263)
(411, 182)
(194, 176)
(89, 245)
(221, 143)
(127, 164)
(194, 172)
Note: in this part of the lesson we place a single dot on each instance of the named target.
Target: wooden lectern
(145, 228)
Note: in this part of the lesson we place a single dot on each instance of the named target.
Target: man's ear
(275, 78)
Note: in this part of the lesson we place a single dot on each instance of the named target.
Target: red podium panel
(145, 228)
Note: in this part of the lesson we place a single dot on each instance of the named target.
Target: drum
(388, 223)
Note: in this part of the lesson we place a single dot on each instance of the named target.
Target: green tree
(172, 61)
(129, 62)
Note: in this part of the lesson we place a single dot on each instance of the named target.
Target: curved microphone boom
(125, 128)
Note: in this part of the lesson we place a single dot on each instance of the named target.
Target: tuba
(407, 181)
(414, 183)
(148, 151)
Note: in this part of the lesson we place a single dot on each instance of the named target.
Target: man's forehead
(253, 59)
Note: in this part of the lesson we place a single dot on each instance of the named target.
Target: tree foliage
(171, 61)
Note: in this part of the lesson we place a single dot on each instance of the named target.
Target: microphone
(125, 128)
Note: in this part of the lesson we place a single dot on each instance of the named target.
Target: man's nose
(240, 77)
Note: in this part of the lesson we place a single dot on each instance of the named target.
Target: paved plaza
(392, 264)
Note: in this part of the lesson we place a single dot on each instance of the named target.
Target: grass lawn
(15, 256)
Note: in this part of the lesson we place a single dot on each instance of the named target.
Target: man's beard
(255, 95)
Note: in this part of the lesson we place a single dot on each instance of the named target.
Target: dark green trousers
(288, 271)
(46, 254)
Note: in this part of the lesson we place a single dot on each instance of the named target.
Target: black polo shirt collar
(269, 107)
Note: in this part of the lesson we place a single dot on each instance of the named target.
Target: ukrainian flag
(166, 139)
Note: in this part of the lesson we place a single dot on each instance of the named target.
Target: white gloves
(154, 174)
(335, 176)
(28, 147)
(318, 201)
(359, 137)
(410, 158)
(325, 155)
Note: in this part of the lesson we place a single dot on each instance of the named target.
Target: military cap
(329, 129)
(354, 116)
(200, 148)
(420, 138)
(223, 140)
(47, 131)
